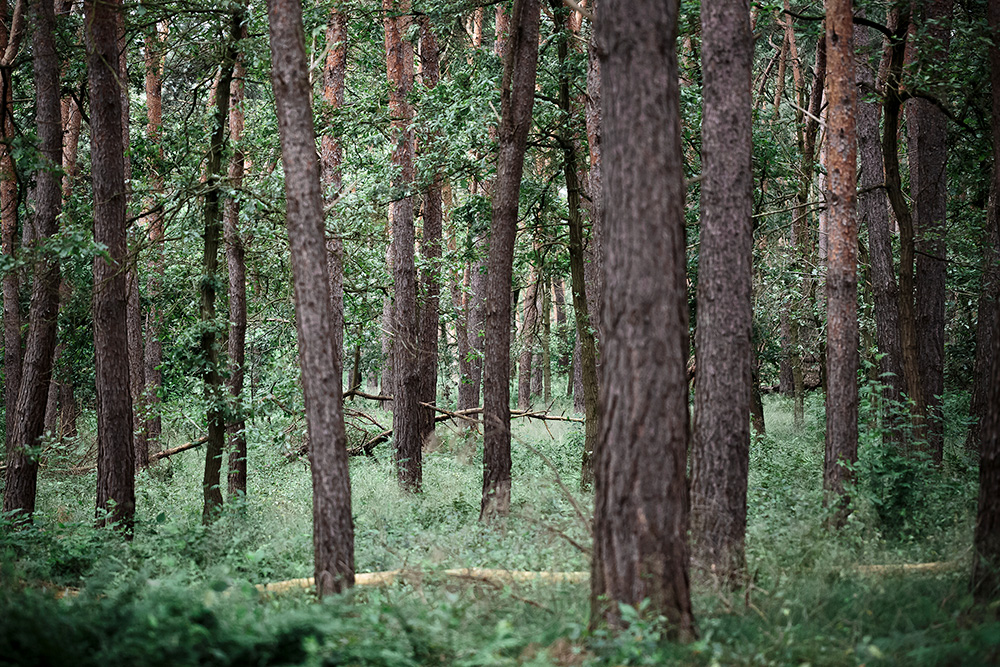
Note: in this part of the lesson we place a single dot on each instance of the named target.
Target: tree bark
(430, 250)
(29, 411)
(405, 325)
(928, 152)
(516, 103)
(333, 528)
(720, 452)
(154, 124)
(842, 262)
(546, 360)
(115, 453)
(529, 325)
(641, 508)
(236, 264)
(461, 300)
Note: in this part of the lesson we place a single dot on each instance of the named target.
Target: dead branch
(178, 449)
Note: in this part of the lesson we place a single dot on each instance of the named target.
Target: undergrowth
(182, 593)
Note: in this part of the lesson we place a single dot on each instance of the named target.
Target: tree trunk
(928, 151)
(720, 452)
(214, 398)
(516, 103)
(461, 301)
(405, 329)
(29, 411)
(333, 528)
(115, 453)
(236, 263)
(873, 212)
(430, 249)
(154, 124)
(8, 216)
(842, 262)
(756, 402)
(529, 322)
(641, 507)
(546, 361)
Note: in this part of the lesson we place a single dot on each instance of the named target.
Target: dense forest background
(169, 169)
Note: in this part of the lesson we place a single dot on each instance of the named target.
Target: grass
(181, 593)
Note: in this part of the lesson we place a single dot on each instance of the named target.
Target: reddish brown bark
(333, 528)
(641, 508)
(8, 216)
(29, 411)
(430, 250)
(236, 264)
(720, 451)
(115, 454)
(842, 263)
(516, 102)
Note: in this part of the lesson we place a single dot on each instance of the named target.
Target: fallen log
(156, 456)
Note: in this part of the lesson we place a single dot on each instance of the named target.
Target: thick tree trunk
(154, 124)
(928, 152)
(842, 262)
(115, 453)
(333, 528)
(873, 212)
(236, 263)
(516, 103)
(405, 325)
(720, 452)
(430, 250)
(29, 411)
(641, 508)
(216, 415)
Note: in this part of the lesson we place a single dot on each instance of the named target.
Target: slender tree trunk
(115, 453)
(928, 151)
(154, 124)
(405, 329)
(461, 301)
(236, 263)
(756, 402)
(873, 212)
(214, 398)
(430, 249)
(842, 262)
(516, 103)
(529, 322)
(720, 452)
(333, 527)
(641, 508)
(8, 216)
(29, 411)
(546, 360)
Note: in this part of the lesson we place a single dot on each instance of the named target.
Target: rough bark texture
(405, 329)
(333, 528)
(8, 217)
(928, 151)
(890, 161)
(720, 452)
(641, 508)
(236, 263)
(216, 403)
(29, 411)
(115, 454)
(516, 102)
(989, 298)
(430, 250)
(154, 124)
(842, 262)
(873, 213)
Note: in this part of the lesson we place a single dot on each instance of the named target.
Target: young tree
(29, 410)
(405, 339)
(115, 454)
(842, 258)
(516, 102)
(216, 416)
(720, 452)
(333, 528)
(641, 509)
(236, 263)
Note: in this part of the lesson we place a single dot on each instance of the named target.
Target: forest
(500, 332)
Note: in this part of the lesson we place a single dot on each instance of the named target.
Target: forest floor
(182, 593)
